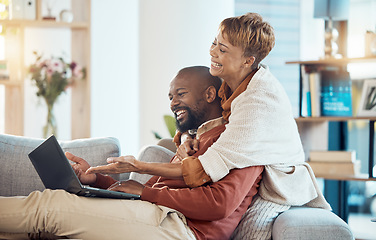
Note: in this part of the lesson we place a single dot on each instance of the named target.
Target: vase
(50, 127)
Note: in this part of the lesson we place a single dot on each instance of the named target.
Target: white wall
(114, 72)
(358, 26)
(173, 34)
(311, 33)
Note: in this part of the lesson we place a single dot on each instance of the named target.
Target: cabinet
(315, 132)
(14, 55)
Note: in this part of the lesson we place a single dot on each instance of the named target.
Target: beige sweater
(262, 131)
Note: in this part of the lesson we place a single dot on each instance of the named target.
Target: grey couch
(18, 177)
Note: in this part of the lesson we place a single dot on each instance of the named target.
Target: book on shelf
(325, 92)
(332, 156)
(311, 92)
(306, 94)
(336, 168)
(336, 97)
(315, 89)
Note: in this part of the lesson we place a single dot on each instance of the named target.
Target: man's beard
(193, 120)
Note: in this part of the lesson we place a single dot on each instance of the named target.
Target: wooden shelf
(6, 82)
(315, 132)
(335, 61)
(44, 24)
(80, 51)
(339, 119)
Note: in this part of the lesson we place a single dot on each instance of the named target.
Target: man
(168, 208)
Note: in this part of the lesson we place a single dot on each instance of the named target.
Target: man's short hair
(203, 73)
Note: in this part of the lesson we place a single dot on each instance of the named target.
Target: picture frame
(367, 106)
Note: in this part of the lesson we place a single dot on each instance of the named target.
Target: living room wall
(141, 52)
(173, 34)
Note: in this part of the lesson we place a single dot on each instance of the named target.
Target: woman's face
(227, 60)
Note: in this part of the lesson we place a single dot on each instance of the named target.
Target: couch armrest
(151, 154)
(17, 174)
(167, 143)
(308, 223)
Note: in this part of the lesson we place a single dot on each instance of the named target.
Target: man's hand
(129, 186)
(121, 164)
(187, 148)
(80, 166)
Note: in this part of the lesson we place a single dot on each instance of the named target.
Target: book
(336, 168)
(315, 89)
(306, 94)
(332, 156)
(336, 96)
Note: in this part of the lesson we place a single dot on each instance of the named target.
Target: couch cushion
(17, 174)
(310, 223)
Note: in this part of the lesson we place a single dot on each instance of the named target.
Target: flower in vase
(52, 76)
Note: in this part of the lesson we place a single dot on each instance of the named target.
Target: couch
(18, 177)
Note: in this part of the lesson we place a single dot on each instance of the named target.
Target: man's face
(187, 103)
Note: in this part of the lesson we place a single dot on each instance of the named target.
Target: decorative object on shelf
(4, 74)
(23, 9)
(370, 44)
(4, 9)
(49, 4)
(331, 10)
(66, 16)
(367, 105)
(52, 76)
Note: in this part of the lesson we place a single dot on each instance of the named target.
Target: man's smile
(180, 114)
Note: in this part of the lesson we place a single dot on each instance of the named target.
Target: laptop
(55, 171)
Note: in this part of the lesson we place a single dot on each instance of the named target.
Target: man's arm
(125, 164)
(210, 202)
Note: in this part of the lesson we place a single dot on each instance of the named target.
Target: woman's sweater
(262, 131)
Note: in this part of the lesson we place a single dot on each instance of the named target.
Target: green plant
(170, 124)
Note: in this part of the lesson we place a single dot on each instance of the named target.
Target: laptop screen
(53, 167)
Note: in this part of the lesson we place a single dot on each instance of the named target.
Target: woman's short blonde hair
(250, 32)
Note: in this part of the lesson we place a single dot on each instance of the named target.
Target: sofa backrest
(18, 176)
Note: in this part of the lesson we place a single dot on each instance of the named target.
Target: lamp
(331, 10)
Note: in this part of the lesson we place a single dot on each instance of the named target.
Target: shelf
(335, 61)
(360, 177)
(10, 83)
(44, 24)
(339, 119)
(80, 51)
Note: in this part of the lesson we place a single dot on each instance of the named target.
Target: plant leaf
(156, 135)
(170, 124)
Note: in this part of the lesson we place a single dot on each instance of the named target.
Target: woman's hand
(80, 166)
(187, 148)
(129, 186)
(121, 164)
